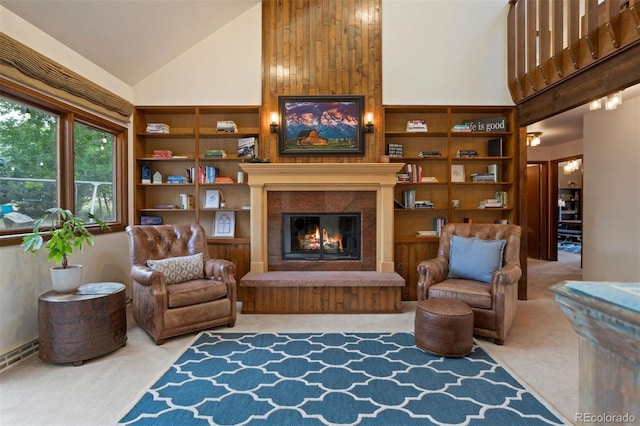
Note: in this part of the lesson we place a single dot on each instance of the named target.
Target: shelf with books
(196, 140)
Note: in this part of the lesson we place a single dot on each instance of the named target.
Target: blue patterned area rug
(333, 379)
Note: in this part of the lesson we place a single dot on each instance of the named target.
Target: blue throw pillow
(475, 258)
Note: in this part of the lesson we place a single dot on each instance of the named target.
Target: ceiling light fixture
(533, 138)
(611, 102)
(572, 166)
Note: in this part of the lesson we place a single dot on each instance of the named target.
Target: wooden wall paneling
(321, 47)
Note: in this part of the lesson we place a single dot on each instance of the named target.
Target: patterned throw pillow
(179, 269)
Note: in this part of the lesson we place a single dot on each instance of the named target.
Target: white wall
(443, 52)
(550, 153)
(611, 201)
(22, 31)
(224, 69)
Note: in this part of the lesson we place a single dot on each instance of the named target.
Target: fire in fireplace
(321, 236)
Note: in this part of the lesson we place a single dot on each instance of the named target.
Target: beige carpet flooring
(541, 350)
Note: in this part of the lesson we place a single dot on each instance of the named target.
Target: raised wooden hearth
(330, 292)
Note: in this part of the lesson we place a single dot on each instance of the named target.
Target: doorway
(554, 208)
(538, 211)
(569, 194)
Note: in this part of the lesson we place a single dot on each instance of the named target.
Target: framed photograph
(212, 199)
(224, 224)
(321, 125)
(457, 173)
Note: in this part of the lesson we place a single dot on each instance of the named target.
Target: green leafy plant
(68, 233)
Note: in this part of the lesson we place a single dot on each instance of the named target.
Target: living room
(196, 78)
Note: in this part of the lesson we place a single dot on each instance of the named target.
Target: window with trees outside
(52, 154)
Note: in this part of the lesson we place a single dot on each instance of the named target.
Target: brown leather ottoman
(444, 327)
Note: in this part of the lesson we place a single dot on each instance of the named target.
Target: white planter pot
(66, 280)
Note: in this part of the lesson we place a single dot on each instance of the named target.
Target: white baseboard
(19, 353)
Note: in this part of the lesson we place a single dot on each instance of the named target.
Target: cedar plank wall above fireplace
(321, 47)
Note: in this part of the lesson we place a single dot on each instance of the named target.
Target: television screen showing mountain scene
(321, 126)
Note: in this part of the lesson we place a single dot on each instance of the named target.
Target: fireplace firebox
(321, 236)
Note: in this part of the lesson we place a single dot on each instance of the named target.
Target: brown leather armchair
(493, 304)
(166, 310)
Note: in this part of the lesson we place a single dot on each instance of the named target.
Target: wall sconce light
(274, 127)
(368, 127)
(27, 114)
(533, 139)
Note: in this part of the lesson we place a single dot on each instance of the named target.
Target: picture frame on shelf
(212, 199)
(224, 224)
(321, 125)
(457, 173)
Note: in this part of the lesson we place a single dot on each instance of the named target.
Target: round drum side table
(75, 327)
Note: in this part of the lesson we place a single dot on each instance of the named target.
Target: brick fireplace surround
(297, 287)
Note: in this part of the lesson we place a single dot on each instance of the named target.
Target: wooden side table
(75, 327)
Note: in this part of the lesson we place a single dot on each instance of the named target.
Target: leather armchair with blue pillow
(493, 302)
(176, 287)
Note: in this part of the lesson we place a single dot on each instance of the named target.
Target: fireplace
(307, 188)
(321, 236)
(360, 193)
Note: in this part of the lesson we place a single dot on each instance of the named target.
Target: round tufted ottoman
(444, 327)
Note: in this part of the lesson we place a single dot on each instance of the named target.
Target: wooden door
(537, 211)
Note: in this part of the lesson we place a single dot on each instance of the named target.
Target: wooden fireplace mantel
(378, 177)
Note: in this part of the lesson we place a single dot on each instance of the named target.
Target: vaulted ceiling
(131, 39)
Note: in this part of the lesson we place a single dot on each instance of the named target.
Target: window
(52, 154)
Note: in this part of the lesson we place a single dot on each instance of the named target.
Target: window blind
(20, 63)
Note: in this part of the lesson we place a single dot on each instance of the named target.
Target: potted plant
(68, 233)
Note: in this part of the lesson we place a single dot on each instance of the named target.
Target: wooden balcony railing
(551, 40)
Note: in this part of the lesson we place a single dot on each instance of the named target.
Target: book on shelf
(403, 178)
(429, 179)
(416, 126)
(490, 203)
(207, 174)
(247, 147)
(424, 204)
(409, 198)
(157, 128)
(438, 224)
(414, 171)
(429, 154)
(482, 177)
(462, 153)
(175, 179)
(226, 126)
(224, 179)
(461, 128)
(150, 220)
(495, 147)
(395, 150)
(504, 197)
(162, 153)
(492, 169)
(215, 153)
